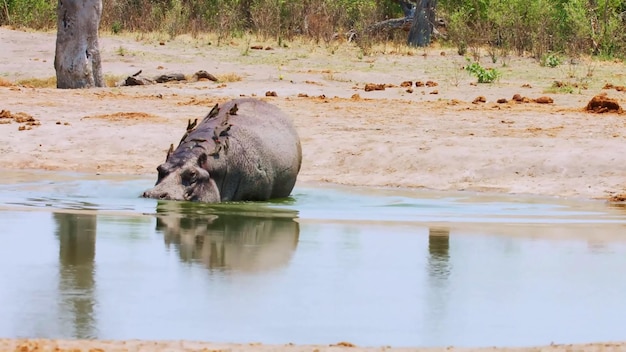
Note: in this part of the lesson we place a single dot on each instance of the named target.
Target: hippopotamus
(243, 150)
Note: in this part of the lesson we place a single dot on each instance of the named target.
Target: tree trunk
(77, 57)
(423, 23)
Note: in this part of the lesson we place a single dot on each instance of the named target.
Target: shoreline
(66, 345)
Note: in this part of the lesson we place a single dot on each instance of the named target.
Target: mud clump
(612, 86)
(271, 93)
(520, 99)
(406, 84)
(343, 344)
(601, 103)
(544, 100)
(28, 121)
(373, 86)
(479, 99)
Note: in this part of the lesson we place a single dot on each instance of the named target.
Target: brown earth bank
(523, 134)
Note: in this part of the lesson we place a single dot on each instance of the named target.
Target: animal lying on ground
(243, 150)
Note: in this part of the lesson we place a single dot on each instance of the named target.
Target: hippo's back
(263, 156)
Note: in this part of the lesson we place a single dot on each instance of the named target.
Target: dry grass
(50, 82)
(229, 77)
(112, 80)
(5, 82)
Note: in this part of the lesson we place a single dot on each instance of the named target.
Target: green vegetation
(484, 75)
(541, 28)
(550, 60)
(570, 27)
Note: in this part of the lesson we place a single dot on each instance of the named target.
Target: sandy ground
(381, 138)
(432, 137)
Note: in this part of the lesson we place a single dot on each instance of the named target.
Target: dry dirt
(460, 138)
(513, 136)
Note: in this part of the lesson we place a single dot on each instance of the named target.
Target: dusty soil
(448, 134)
(360, 121)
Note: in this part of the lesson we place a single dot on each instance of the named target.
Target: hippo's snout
(156, 195)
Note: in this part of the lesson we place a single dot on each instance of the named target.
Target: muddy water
(83, 257)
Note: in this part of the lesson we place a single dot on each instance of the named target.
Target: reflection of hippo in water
(244, 149)
(232, 241)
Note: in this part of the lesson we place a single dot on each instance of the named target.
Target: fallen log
(170, 77)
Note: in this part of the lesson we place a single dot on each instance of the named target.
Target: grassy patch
(50, 82)
(112, 80)
(229, 77)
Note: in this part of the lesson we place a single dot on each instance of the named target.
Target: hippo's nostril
(163, 195)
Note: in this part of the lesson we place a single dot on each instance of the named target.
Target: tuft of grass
(566, 87)
(121, 51)
(330, 76)
(559, 89)
(229, 77)
(112, 80)
(50, 82)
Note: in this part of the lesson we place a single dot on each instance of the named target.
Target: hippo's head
(185, 179)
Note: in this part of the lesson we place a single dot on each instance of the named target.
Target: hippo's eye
(189, 177)
(162, 171)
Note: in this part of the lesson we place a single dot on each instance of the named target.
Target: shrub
(484, 75)
(550, 60)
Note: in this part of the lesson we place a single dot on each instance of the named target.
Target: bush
(572, 27)
(36, 14)
(550, 60)
(484, 75)
(538, 27)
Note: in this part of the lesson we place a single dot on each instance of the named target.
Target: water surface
(83, 257)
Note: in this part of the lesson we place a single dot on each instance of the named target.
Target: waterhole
(82, 256)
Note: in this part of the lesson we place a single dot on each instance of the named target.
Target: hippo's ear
(202, 161)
